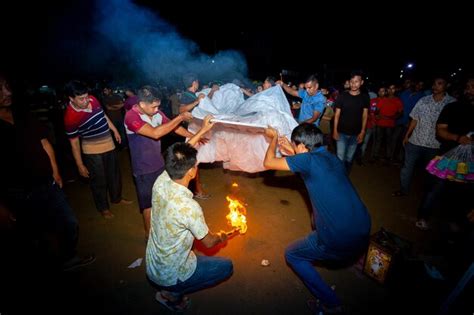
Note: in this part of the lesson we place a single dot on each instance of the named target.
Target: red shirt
(388, 109)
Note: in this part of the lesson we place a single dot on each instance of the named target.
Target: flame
(236, 215)
(235, 185)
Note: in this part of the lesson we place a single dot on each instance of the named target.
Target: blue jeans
(209, 272)
(44, 210)
(346, 147)
(414, 154)
(301, 255)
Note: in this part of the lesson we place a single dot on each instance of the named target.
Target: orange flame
(236, 215)
(235, 185)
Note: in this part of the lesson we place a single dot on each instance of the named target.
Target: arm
(214, 88)
(76, 152)
(271, 161)
(411, 127)
(360, 136)
(183, 132)
(206, 126)
(315, 117)
(114, 130)
(287, 88)
(159, 131)
(52, 159)
(189, 107)
(335, 133)
(211, 239)
(443, 132)
(246, 92)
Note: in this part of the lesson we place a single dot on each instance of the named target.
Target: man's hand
(207, 124)
(186, 116)
(335, 135)
(117, 136)
(83, 171)
(360, 137)
(200, 97)
(271, 132)
(57, 179)
(285, 146)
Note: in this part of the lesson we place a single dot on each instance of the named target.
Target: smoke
(129, 42)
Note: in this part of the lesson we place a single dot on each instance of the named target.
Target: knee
(289, 257)
(228, 267)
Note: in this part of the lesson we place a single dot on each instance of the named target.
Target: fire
(236, 215)
(235, 185)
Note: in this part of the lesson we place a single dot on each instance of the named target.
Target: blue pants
(209, 272)
(346, 147)
(301, 255)
(414, 154)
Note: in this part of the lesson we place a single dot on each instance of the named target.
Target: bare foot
(107, 214)
(124, 201)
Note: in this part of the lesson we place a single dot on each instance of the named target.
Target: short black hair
(309, 135)
(75, 88)
(357, 73)
(270, 80)
(148, 94)
(180, 158)
(188, 79)
(312, 78)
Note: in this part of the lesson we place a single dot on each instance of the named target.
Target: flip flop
(178, 306)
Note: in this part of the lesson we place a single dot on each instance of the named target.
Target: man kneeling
(176, 220)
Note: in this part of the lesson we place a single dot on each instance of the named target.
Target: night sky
(330, 41)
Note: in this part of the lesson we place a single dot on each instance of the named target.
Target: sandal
(398, 193)
(176, 306)
(107, 214)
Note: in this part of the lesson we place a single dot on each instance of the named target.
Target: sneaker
(422, 225)
(77, 262)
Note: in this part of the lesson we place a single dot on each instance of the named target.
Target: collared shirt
(426, 112)
(91, 125)
(311, 104)
(145, 152)
(176, 220)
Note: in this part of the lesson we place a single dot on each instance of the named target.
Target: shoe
(176, 306)
(123, 201)
(77, 262)
(202, 196)
(107, 214)
(398, 193)
(422, 225)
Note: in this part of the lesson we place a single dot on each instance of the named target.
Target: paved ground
(277, 215)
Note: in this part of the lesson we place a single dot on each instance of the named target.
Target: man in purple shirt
(145, 124)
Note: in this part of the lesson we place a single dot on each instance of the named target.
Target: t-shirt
(25, 162)
(91, 125)
(129, 102)
(388, 108)
(340, 217)
(145, 152)
(352, 108)
(176, 220)
(187, 97)
(310, 105)
(459, 116)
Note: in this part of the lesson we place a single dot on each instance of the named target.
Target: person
(340, 218)
(313, 103)
(188, 101)
(350, 120)
(145, 125)
(84, 119)
(176, 221)
(31, 185)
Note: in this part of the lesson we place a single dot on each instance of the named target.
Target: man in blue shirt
(313, 103)
(341, 221)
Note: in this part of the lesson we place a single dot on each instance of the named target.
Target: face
(356, 82)
(391, 90)
(439, 86)
(311, 87)
(299, 148)
(5, 94)
(193, 172)
(80, 101)
(150, 108)
(382, 92)
(469, 91)
(266, 85)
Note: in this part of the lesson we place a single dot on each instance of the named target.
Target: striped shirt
(91, 126)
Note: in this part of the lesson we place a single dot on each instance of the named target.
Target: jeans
(301, 255)
(43, 211)
(368, 134)
(413, 155)
(384, 136)
(209, 272)
(104, 176)
(346, 147)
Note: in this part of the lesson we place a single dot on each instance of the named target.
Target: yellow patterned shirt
(176, 220)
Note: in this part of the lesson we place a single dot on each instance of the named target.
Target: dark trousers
(104, 177)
